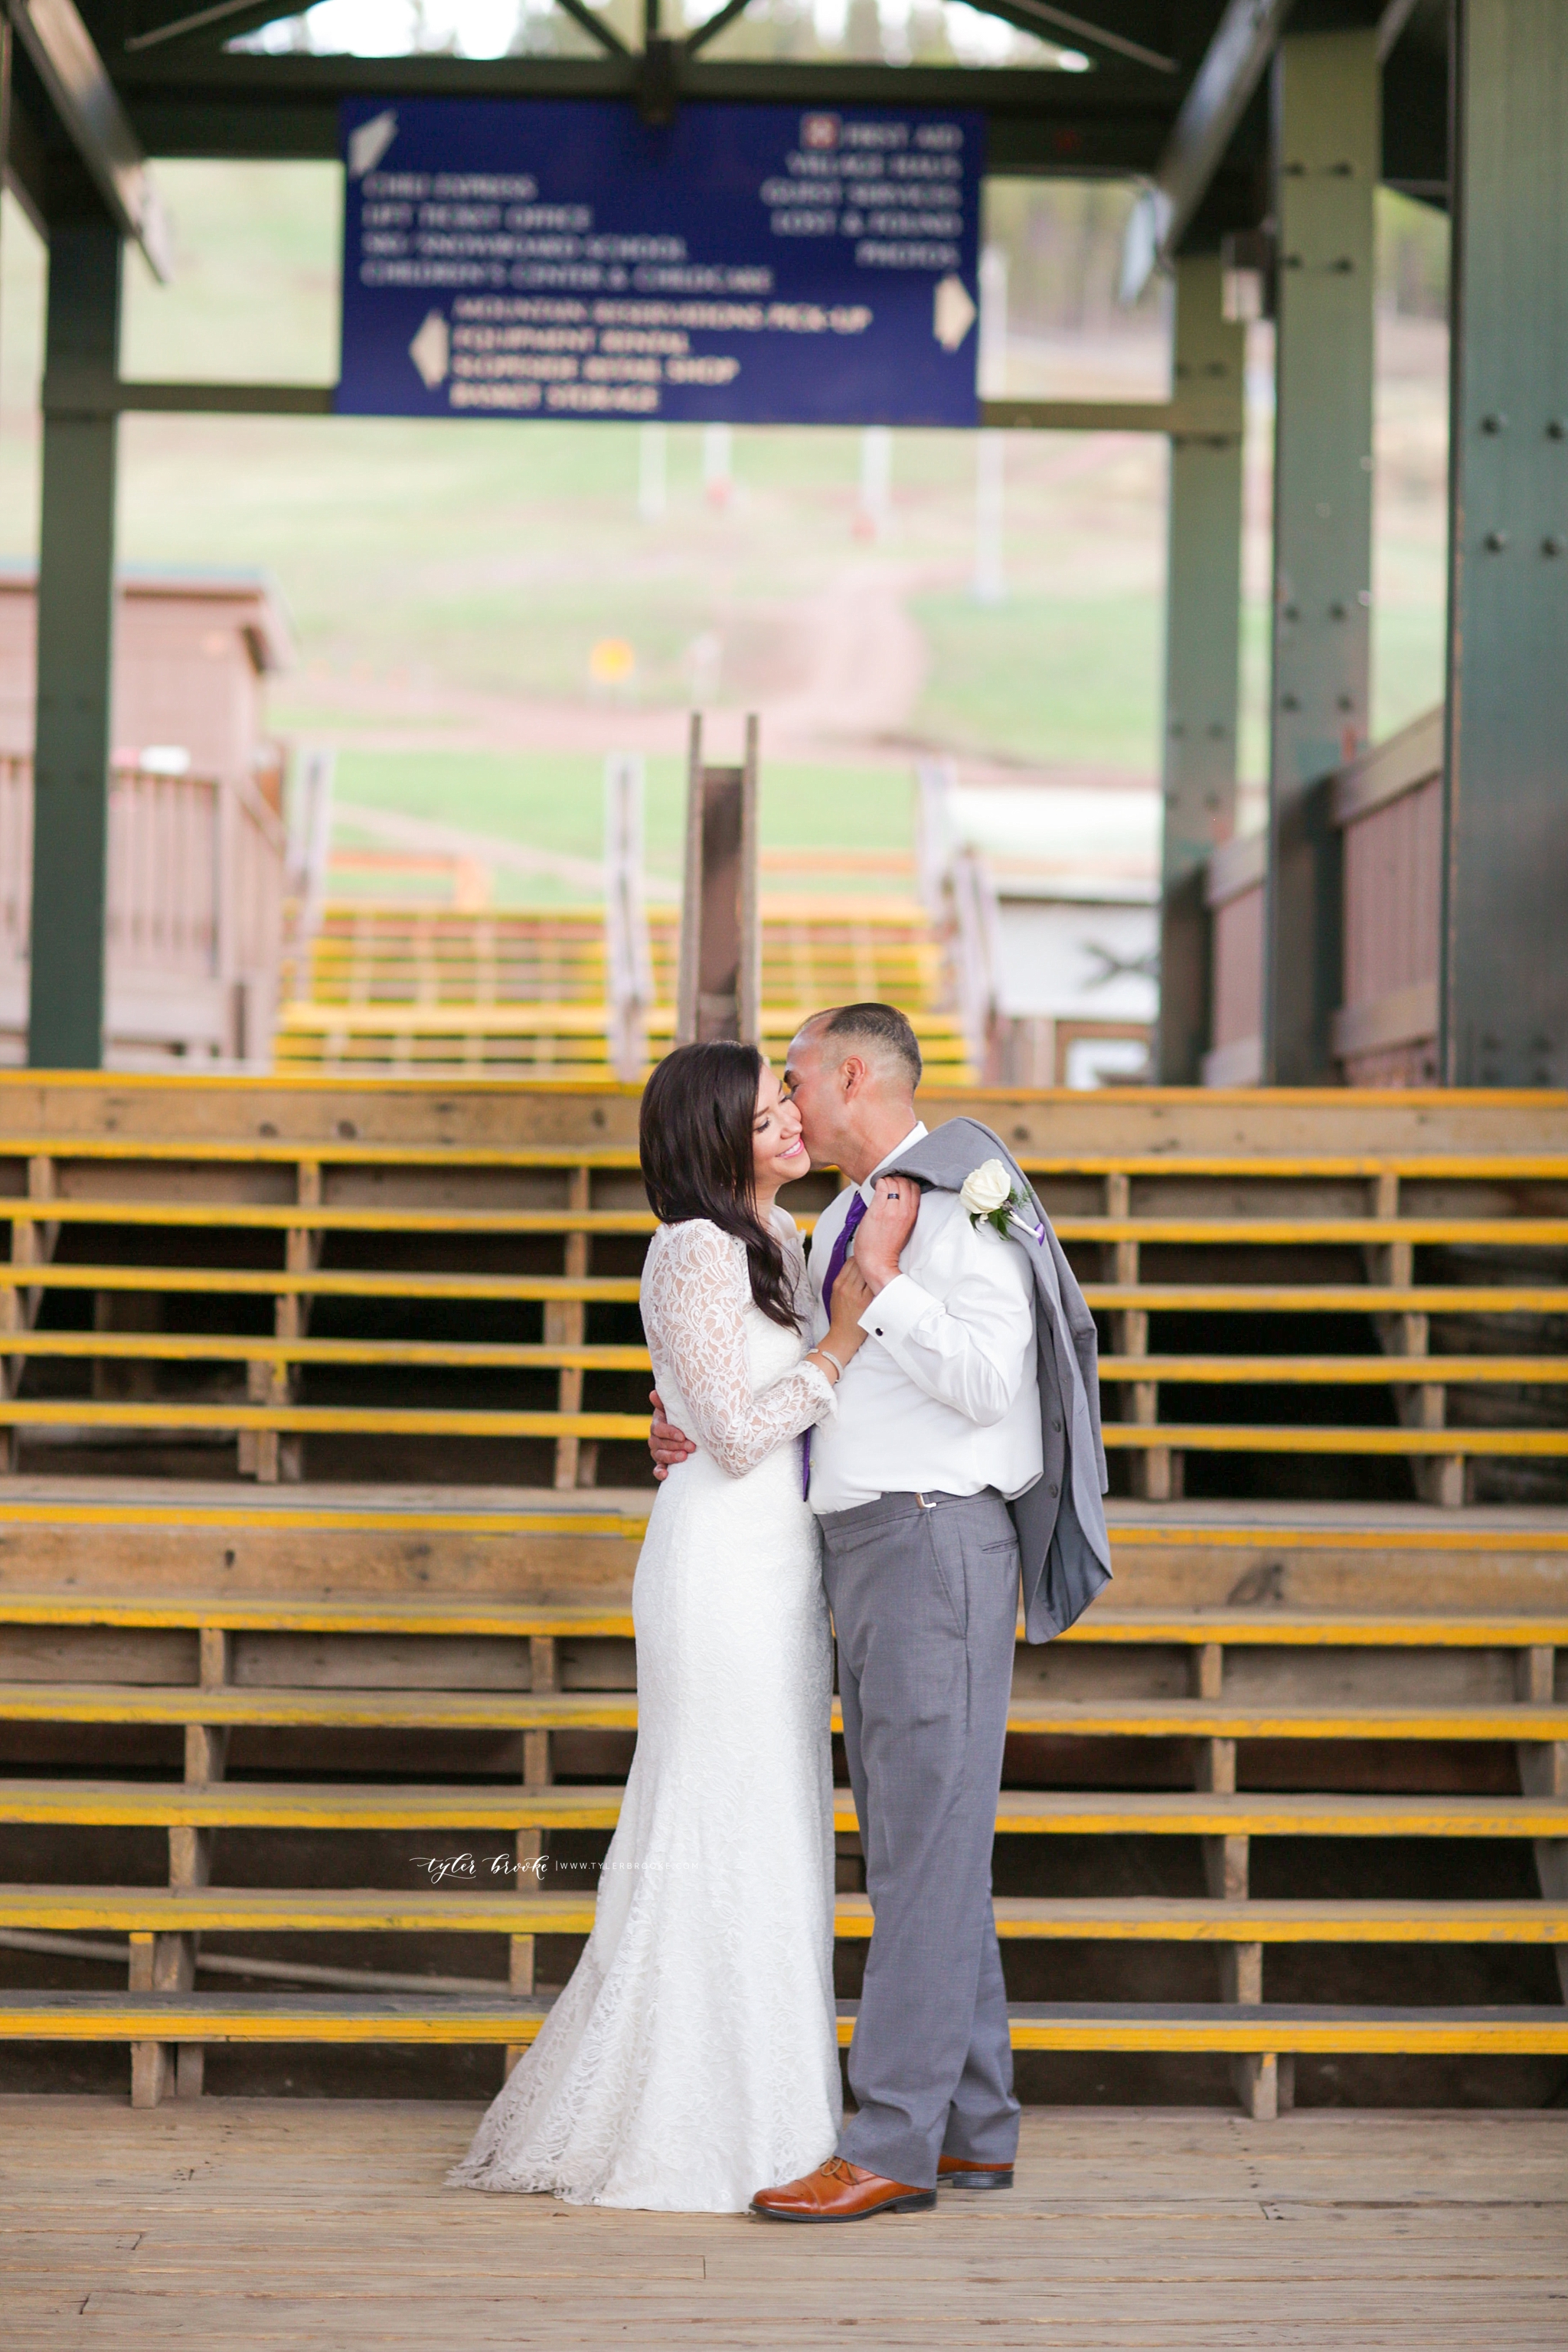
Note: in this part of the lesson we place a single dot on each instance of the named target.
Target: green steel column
(76, 654)
(1203, 620)
(1326, 120)
(1503, 996)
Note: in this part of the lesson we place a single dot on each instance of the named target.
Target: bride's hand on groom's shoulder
(884, 1228)
(666, 1443)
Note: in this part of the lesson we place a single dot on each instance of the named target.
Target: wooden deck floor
(283, 2223)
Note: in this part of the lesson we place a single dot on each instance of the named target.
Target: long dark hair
(694, 1140)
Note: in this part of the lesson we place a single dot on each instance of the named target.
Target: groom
(965, 1445)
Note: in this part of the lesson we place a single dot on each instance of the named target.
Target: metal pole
(1504, 990)
(651, 473)
(76, 656)
(1203, 630)
(1326, 131)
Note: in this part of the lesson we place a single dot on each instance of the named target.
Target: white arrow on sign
(370, 143)
(431, 351)
(955, 313)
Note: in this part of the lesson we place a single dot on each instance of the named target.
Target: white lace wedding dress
(691, 2060)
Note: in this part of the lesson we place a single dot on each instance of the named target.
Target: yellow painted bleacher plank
(1326, 1299)
(306, 1017)
(336, 1151)
(1269, 1628)
(1409, 2034)
(1230, 1437)
(424, 1710)
(392, 1420)
(495, 1905)
(1019, 1812)
(250, 1281)
(1084, 2026)
(1360, 1371)
(1522, 1233)
(277, 1216)
(186, 1347)
(492, 1710)
(327, 1153)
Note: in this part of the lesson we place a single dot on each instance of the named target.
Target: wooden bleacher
(251, 1588)
(525, 993)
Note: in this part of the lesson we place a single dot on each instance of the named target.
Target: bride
(694, 2055)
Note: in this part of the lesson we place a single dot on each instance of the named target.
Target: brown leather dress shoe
(840, 2191)
(958, 2172)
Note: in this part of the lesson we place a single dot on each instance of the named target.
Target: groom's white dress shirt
(943, 1399)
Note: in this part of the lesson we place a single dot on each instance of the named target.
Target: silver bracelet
(820, 1351)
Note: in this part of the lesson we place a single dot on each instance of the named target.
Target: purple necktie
(837, 1256)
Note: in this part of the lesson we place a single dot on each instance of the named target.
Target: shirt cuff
(897, 1310)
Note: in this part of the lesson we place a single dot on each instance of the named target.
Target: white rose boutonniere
(991, 1197)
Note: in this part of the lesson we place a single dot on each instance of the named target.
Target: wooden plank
(248, 1282)
(184, 1347)
(504, 1619)
(1228, 1232)
(508, 1620)
(392, 1420)
(459, 1907)
(235, 2222)
(1299, 1437)
(500, 1710)
(1019, 1811)
(1314, 1298)
(180, 1144)
(267, 1216)
(1353, 1372)
(450, 2018)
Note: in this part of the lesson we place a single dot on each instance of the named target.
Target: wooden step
(436, 1420)
(1307, 1437)
(495, 1355)
(254, 1804)
(1157, 1297)
(461, 1907)
(174, 1213)
(199, 1139)
(1032, 1714)
(1108, 1622)
(251, 1282)
(1267, 2028)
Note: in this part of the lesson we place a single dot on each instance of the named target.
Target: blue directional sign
(740, 265)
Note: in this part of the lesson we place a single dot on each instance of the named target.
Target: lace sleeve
(695, 1296)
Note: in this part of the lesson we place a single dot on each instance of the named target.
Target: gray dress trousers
(924, 1593)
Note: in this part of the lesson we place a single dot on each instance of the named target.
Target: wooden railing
(193, 926)
(1388, 808)
(1388, 805)
(1233, 892)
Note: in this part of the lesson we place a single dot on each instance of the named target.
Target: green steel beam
(1203, 622)
(1114, 120)
(74, 657)
(1503, 996)
(1326, 157)
(87, 106)
(1244, 40)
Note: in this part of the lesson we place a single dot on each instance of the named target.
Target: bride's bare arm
(695, 1298)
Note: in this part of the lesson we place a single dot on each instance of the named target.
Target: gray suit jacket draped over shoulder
(1063, 1545)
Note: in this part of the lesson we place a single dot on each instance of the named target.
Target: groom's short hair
(881, 1030)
